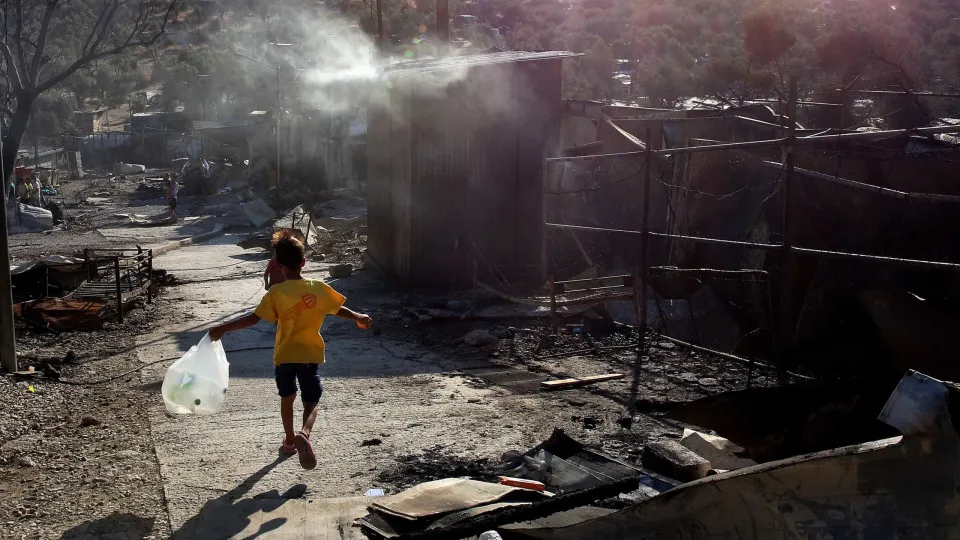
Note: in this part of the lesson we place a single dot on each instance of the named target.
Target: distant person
(298, 306)
(273, 275)
(12, 189)
(23, 190)
(173, 188)
(37, 192)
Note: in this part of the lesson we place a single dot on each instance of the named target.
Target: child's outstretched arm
(363, 321)
(246, 321)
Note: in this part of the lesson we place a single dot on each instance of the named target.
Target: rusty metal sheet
(63, 314)
(900, 487)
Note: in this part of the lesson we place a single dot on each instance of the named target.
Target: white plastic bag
(197, 382)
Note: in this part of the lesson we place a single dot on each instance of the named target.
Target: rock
(341, 270)
(709, 381)
(480, 338)
(88, 421)
(457, 305)
(127, 454)
(371, 442)
(674, 460)
(722, 453)
(688, 377)
(473, 400)
(25, 461)
(590, 422)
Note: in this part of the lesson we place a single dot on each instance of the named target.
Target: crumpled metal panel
(902, 487)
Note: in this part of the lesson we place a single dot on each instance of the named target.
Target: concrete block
(672, 459)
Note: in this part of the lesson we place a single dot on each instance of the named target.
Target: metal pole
(443, 25)
(788, 260)
(645, 248)
(279, 115)
(8, 344)
(380, 43)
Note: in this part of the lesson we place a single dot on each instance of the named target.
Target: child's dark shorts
(307, 375)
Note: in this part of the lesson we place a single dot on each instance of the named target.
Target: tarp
(26, 218)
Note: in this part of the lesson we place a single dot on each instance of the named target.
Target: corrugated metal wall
(463, 183)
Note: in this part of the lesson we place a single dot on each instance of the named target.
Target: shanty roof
(473, 60)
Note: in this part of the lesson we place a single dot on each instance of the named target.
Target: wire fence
(868, 221)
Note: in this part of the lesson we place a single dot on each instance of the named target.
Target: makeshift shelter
(455, 164)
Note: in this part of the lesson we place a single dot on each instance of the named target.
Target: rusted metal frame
(560, 289)
(902, 93)
(871, 188)
(727, 356)
(703, 240)
(769, 247)
(800, 141)
(590, 280)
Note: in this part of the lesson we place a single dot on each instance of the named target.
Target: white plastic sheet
(197, 382)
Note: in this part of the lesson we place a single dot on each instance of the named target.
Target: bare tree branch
(130, 42)
(42, 39)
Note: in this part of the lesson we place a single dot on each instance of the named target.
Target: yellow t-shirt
(298, 306)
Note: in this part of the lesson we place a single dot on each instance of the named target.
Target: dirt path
(77, 462)
(386, 396)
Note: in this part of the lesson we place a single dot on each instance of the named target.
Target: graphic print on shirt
(307, 301)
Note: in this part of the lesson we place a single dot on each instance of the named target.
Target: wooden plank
(563, 384)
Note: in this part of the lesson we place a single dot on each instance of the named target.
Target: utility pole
(443, 25)
(279, 115)
(380, 43)
(8, 346)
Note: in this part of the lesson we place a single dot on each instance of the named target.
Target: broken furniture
(128, 274)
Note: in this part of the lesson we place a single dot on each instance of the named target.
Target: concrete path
(222, 472)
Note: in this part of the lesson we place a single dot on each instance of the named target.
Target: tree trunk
(18, 125)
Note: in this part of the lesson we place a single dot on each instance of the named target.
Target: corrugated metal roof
(474, 60)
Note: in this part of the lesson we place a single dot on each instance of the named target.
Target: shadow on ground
(230, 515)
(115, 526)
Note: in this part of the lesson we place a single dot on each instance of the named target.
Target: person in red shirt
(273, 275)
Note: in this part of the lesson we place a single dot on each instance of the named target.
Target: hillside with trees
(729, 50)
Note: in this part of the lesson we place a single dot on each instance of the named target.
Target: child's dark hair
(288, 249)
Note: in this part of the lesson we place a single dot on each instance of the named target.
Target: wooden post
(443, 24)
(476, 277)
(149, 276)
(116, 275)
(788, 259)
(46, 281)
(8, 342)
(553, 303)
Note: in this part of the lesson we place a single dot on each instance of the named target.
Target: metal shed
(455, 161)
